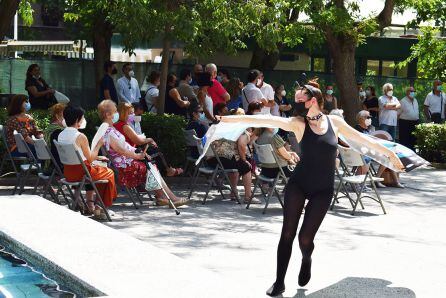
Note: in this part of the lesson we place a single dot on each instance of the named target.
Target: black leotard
(316, 169)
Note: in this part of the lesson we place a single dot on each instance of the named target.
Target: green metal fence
(75, 78)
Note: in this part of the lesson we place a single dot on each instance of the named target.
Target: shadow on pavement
(359, 287)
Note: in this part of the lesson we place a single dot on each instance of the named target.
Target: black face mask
(300, 109)
(114, 71)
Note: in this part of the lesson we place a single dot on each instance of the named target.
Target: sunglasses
(368, 117)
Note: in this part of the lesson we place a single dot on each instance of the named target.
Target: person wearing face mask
(126, 116)
(234, 88)
(362, 94)
(409, 118)
(223, 77)
(435, 104)
(198, 68)
(128, 88)
(217, 92)
(132, 171)
(330, 101)
(364, 124)
(313, 177)
(41, 96)
(285, 157)
(251, 93)
(388, 111)
(75, 120)
(136, 122)
(196, 120)
(21, 122)
(281, 106)
(268, 93)
(107, 87)
(184, 87)
(371, 104)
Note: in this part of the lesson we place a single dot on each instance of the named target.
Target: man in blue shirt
(128, 88)
(107, 88)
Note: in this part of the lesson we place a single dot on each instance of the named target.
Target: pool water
(18, 280)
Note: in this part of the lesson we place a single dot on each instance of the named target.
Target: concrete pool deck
(110, 261)
(223, 250)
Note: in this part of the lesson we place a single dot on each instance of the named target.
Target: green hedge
(166, 130)
(431, 141)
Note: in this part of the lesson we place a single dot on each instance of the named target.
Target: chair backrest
(189, 137)
(351, 158)
(199, 143)
(67, 153)
(3, 136)
(20, 143)
(41, 149)
(295, 146)
(265, 153)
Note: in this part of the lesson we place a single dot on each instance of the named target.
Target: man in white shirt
(409, 117)
(128, 88)
(251, 93)
(435, 104)
(268, 93)
(388, 111)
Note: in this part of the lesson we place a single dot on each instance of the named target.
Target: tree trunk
(164, 70)
(102, 35)
(342, 50)
(264, 60)
(8, 9)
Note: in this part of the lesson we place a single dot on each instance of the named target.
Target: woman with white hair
(388, 111)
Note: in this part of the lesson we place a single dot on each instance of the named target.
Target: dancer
(313, 178)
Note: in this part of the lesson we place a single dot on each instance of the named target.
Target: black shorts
(241, 166)
(272, 172)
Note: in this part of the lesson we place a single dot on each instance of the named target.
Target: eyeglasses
(368, 117)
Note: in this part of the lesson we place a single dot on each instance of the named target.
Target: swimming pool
(18, 279)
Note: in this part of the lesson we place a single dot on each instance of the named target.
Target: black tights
(314, 214)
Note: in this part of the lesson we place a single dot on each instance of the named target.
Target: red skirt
(74, 173)
(133, 175)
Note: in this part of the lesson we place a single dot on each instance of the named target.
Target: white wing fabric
(61, 98)
(232, 131)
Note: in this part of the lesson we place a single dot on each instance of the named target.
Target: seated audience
(126, 113)
(132, 170)
(285, 157)
(52, 133)
(204, 99)
(135, 123)
(175, 104)
(22, 122)
(196, 115)
(75, 120)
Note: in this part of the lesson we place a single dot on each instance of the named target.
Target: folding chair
(190, 142)
(211, 173)
(295, 146)
(25, 169)
(43, 153)
(352, 159)
(131, 192)
(8, 157)
(266, 155)
(70, 156)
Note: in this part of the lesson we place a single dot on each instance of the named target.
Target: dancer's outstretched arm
(350, 133)
(288, 124)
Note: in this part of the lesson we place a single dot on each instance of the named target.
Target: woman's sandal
(176, 172)
(162, 201)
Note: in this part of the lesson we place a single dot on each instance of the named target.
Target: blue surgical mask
(275, 131)
(412, 94)
(219, 78)
(202, 117)
(115, 117)
(330, 92)
(27, 106)
(190, 81)
(439, 88)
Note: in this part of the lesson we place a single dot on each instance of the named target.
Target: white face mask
(64, 124)
(368, 122)
(362, 94)
(389, 93)
(83, 124)
(283, 93)
(137, 119)
(131, 73)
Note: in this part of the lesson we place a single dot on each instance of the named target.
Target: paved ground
(401, 254)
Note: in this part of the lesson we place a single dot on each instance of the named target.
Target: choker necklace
(315, 118)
